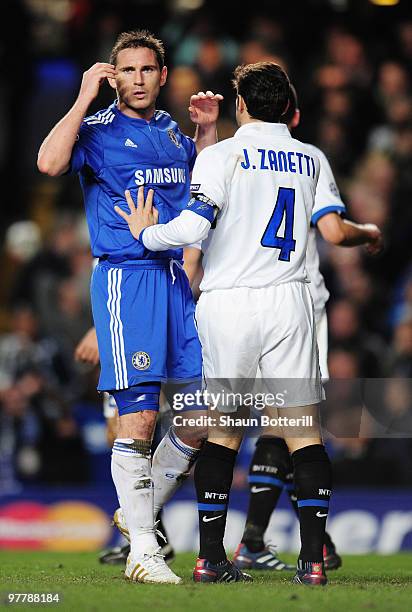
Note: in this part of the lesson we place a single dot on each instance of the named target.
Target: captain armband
(203, 206)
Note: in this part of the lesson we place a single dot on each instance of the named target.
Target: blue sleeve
(190, 148)
(87, 151)
(337, 208)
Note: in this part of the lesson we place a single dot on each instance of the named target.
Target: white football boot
(150, 568)
(120, 522)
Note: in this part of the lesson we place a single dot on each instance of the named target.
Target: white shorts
(322, 336)
(109, 406)
(272, 328)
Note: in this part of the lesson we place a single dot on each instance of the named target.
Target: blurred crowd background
(351, 62)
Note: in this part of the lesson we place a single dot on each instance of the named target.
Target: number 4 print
(284, 207)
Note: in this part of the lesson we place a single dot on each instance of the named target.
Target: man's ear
(163, 76)
(112, 83)
(240, 103)
(295, 119)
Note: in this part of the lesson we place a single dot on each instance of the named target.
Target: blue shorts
(143, 312)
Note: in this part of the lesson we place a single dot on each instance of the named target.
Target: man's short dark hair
(136, 39)
(264, 86)
(293, 105)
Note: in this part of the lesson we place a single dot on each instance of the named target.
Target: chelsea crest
(141, 360)
(173, 137)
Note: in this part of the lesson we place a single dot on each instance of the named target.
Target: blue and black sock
(268, 469)
(213, 479)
(313, 484)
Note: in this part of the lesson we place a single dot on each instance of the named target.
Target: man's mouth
(139, 94)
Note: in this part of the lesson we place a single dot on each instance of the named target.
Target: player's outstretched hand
(375, 245)
(204, 107)
(142, 216)
(87, 350)
(93, 78)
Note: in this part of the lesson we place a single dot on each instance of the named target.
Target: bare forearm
(56, 149)
(205, 136)
(355, 234)
(345, 233)
(192, 262)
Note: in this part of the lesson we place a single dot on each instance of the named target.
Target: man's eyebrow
(142, 68)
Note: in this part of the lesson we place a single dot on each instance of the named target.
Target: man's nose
(139, 77)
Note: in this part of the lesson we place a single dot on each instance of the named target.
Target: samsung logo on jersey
(157, 176)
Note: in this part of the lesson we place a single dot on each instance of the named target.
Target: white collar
(278, 129)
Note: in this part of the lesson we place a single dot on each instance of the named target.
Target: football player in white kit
(255, 309)
(271, 468)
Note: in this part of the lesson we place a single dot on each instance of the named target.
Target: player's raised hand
(375, 245)
(141, 216)
(204, 108)
(93, 78)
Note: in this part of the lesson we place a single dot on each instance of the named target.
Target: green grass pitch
(366, 582)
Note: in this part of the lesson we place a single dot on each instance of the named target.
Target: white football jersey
(327, 199)
(264, 182)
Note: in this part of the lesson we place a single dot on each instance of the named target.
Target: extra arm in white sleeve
(184, 230)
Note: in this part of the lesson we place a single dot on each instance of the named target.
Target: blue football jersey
(114, 153)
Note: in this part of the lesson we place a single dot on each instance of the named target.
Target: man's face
(138, 81)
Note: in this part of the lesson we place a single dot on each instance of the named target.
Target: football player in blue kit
(142, 304)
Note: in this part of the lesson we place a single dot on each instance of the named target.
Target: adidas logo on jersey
(130, 143)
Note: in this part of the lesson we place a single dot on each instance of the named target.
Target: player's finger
(140, 199)
(201, 94)
(155, 216)
(88, 356)
(104, 65)
(129, 200)
(210, 94)
(121, 213)
(218, 97)
(93, 357)
(371, 249)
(106, 71)
(149, 201)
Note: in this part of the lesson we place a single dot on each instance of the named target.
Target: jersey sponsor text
(160, 175)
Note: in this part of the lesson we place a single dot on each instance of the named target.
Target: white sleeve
(327, 197)
(184, 230)
(208, 175)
